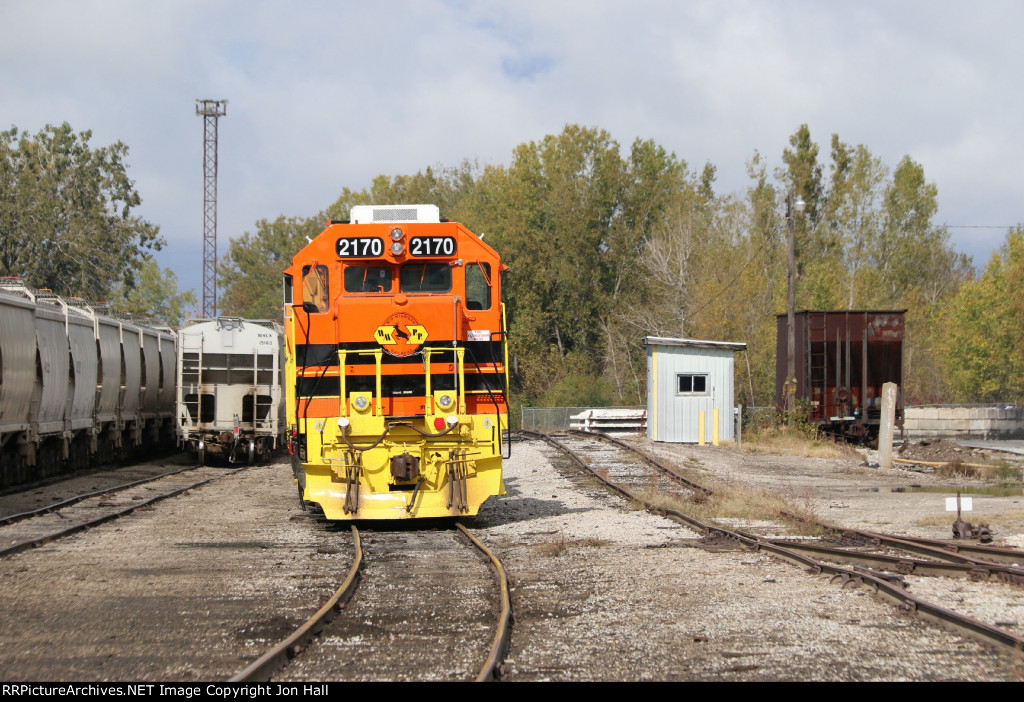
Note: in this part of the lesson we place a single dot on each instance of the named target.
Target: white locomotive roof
(375, 214)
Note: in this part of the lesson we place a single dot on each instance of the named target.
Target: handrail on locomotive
(397, 382)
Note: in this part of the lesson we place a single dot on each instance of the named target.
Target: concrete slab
(1008, 445)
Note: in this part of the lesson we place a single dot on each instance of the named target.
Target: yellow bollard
(714, 427)
(701, 422)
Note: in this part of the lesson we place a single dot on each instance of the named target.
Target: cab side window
(478, 286)
(314, 287)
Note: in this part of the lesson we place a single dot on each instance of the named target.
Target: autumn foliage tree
(571, 215)
(984, 329)
(606, 245)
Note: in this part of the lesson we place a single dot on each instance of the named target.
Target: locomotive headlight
(397, 247)
(396, 234)
(361, 403)
(445, 401)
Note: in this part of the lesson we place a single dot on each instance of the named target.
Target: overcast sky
(326, 95)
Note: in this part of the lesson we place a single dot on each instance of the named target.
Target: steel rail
(491, 669)
(943, 550)
(12, 518)
(908, 566)
(889, 588)
(646, 456)
(266, 665)
(32, 543)
(976, 553)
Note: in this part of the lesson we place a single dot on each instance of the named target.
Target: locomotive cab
(397, 366)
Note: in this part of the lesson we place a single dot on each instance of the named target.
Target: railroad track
(63, 502)
(418, 615)
(870, 569)
(940, 557)
(930, 557)
(32, 528)
(963, 551)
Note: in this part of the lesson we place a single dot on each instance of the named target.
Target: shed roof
(695, 343)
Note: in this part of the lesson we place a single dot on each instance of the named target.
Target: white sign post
(955, 504)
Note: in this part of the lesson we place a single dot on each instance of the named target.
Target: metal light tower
(210, 110)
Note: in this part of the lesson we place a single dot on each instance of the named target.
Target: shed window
(692, 384)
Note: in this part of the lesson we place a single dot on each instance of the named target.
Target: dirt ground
(604, 591)
(852, 491)
(949, 451)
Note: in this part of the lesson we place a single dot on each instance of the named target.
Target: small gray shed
(684, 378)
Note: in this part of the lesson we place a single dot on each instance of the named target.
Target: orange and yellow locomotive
(396, 366)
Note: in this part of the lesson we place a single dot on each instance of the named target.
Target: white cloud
(327, 95)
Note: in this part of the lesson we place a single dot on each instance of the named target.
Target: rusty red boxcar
(842, 359)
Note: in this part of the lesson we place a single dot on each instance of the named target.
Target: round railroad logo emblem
(400, 334)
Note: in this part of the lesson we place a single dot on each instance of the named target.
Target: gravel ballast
(197, 586)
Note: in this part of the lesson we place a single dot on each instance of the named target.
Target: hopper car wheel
(252, 452)
(201, 454)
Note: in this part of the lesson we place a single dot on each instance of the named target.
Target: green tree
(852, 219)
(156, 296)
(868, 241)
(605, 248)
(66, 213)
(985, 329)
(570, 217)
(911, 244)
(251, 272)
(818, 258)
(802, 175)
(451, 189)
(919, 270)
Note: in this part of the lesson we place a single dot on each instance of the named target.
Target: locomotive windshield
(426, 277)
(367, 278)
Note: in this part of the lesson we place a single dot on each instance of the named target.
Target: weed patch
(559, 545)
(735, 501)
(794, 441)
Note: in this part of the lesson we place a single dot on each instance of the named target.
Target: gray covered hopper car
(230, 402)
(77, 387)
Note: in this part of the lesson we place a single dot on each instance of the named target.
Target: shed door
(693, 391)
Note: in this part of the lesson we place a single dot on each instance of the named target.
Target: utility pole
(210, 111)
(789, 387)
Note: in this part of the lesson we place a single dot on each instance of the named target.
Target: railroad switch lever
(966, 530)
